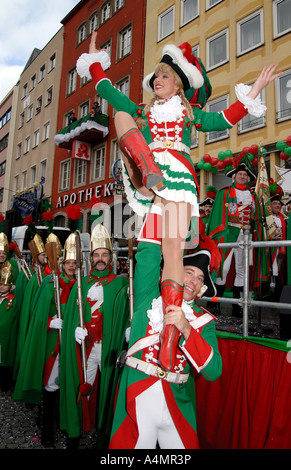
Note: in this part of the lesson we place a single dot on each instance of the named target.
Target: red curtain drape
(249, 406)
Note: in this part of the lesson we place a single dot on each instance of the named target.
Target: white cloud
(9, 76)
(23, 27)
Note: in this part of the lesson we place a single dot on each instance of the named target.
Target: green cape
(8, 331)
(29, 299)
(38, 346)
(115, 309)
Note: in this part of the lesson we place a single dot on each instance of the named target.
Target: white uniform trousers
(154, 420)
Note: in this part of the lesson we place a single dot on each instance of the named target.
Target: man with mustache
(106, 317)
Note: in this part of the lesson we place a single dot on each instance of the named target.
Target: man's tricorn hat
(201, 259)
(241, 162)
(210, 196)
(276, 191)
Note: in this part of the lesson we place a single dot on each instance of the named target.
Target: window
(114, 154)
(16, 183)
(27, 145)
(107, 47)
(93, 23)
(211, 3)
(119, 4)
(33, 82)
(30, 112)
(84, 81)
(281, 17)
(84, 109)
(217, 50)
(43, 169)
(98, 164)
(2, 168)
(18, 151)
(24, 179)
(166, 23)
(38, 105)
(80, 172)
(189, 10)
(105, 12)
(103, 104)
(1, 194)
(82, 33)
(5, 118)
(195, 50)
(249, 122)
(123, 86)
(41, 73)
(250, 32)
(65, 169)
(72, 81)
(21, 121)
(283, 96)
(24, 91)
(125, 42)
(36, 138)
(194, 140)
(217, 105)
(52, 62)
(33, 175)
(46, 131)
(4, 142)
(49, 95)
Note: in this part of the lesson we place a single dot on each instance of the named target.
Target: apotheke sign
(84, 195)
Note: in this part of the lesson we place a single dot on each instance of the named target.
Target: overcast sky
(25, 25)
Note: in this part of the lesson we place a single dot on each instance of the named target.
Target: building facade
(35, 126)
(7, 126)
(234, 40)
(81, 180)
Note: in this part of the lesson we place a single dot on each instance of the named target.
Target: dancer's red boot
(133, 144)
(172, 294)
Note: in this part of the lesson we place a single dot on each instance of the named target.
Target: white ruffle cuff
(86, 60)
(255, 106)
(156, 315)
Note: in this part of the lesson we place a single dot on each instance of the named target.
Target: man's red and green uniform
(200, 352)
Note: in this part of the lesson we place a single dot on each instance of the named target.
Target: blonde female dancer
(155, 142)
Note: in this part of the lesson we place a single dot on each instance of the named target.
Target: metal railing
(246, 301)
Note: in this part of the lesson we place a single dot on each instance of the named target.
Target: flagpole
(259, 185)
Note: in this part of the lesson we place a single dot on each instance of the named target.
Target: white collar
(167, 111)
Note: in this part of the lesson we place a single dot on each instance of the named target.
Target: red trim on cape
(185, 430)
(126, 436)
(48, 367)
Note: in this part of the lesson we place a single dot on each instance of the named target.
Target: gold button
(161, 373)
(168, 144)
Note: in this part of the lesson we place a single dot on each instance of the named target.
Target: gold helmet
(39, 244)
(100, 238)
(3, 242)
(70, 248)
(52, 238)
(6, 274)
